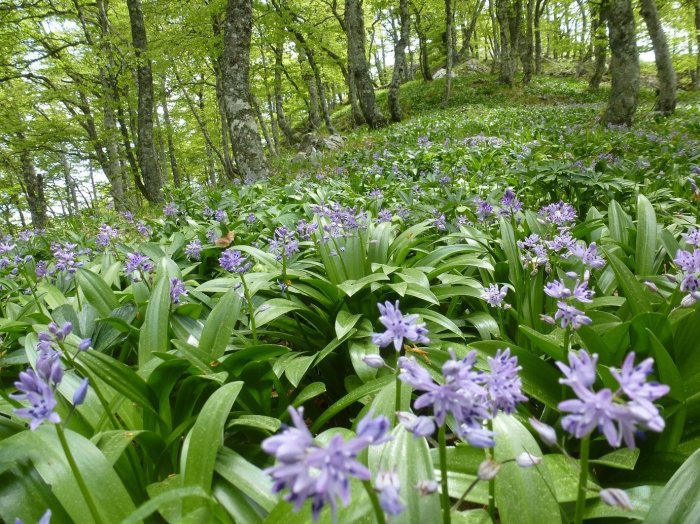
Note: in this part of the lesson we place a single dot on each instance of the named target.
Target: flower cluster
(322, 473)
(398, 327)
(567, 314)
(177, 290)
(233, 261)
(510, 204)
(587, 254)
(284, 243)
(689, 264)
(193, 249)
(495, 296)
(137, 263)
(142, 229)
(559, 214)
(470, 396)
(105, 235)
(38, 386)
(618, 415)
(66, 258)
(170, 209)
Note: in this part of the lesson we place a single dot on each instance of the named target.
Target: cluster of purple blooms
(233, 261)
(322, 474)
(65, 256)
(105, 235)
(38, 386)
(398, 327)
(472, 397)
(137, 263)
(177, 290)
(618, 415)
(142, 229)
(341, 221)
(689, 263)
(193, 249)
(170, 209)
(495, 296)
(284, 243)
(567, 314)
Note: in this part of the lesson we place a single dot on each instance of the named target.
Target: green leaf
(522, 494)
(204, 439)
(351, 287)
(153, 505)
(619, 459)
(220, 323)
(344, 322)
(645, 251)
(679, 501)
(246, 477)
(97, 292)
(272, 309)
(410, 458)
(634, 291)
(154, 331)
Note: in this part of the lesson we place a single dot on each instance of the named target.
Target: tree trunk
(289, 135)
(600, 46)
(250, 156)
(399, 61)
(509, 14)
(169, 136)
(423, 49)
(146, 150)
(539, 10)
(527, 44)
(263, 126)
(696, 76)
(469, 30)
(34, 189)
(314, 115)
(449, 36)
(624, 66)
(666, 75)
(359, 69)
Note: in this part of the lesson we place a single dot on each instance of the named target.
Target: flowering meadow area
(436, 325)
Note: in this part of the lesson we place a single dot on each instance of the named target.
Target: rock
(311, 143)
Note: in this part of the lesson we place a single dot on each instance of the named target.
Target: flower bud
(616, 498)
(545, 432)
(525, 460)
(80, 393)
(373, 361)
(488, 469)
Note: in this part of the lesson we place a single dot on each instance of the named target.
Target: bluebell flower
(221, 216)
(45, 518)
(137, 262)
(558, 214)
(616, 498)
(81, 392)
(510, 203)
(384, 216)
(398, 327)
(170, 209)
(105, 235)
(284, 243)
(494, 295)
(233, 261)
(193, 249)
(503, 382)
(143, 229)
(317, 473)
(617, 417)
(388, 486)
(40, 395)
(587, 254)
(570, 316)
(177, 290)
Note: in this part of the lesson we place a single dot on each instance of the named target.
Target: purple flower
(143, 229)
(45, 518)
(221, 216)
(419, 426)
(374, 361)
(305, 230)
(137, 262)
(559, 214)
(65, 258)
(40, 395)
(503, 382)
(617, 417)
(398, 327)
(177, 289)
(462, 395)
(284, 244)
(233, 261)
(560, 242)
(511, 204)
(587, 255)
(388, 485)
(439, 221)
(570, 316)
(170, 209)
(616, 498)
(384, 216)
(193, 249)
(495, 296)
(41, 269)
(321, 474)
(251, 218)
(207, 211)
(105, 235)
(81, 392)
(546, 432)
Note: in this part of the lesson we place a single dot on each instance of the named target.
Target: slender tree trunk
(539, 11)
(314, 115)
(468, 30)
(527, 44)
(145, 149)
(169, 136)
(399, 61)
(289, 135)
(666, 75)
(624, 67)
(34, 189)
(509, 15)
(600, 45)
(250, 156)
(449, 35)
(357, 60)
(423, 49)
(696, 76)
(263, 126)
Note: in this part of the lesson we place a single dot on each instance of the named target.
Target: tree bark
(34, 188)
(169, 137)
(450, 41)
(600, 46)
(423, 49)
(357, 60)
(696, 76)
(539, 10)
(509, 15)
(624, 66)
(468, 30)
(665, 74)
(289, 134)
(527, 44)
(249, 153)
(146, 150)
(399, 61)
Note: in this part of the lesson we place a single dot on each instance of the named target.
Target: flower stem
(492, 482)
(251, 311)
(378, 512)
(567, 340)
(445, 498)
(398, 395)
(78, 476)
(582, 480)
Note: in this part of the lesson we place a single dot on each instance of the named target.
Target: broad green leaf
(679, 500)
(645, 251)
(522, 494)
(344, 322)
(246, 477)
(631, 288)
(97, 292)
(219, 324)
(204, 439)
(154, 336)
